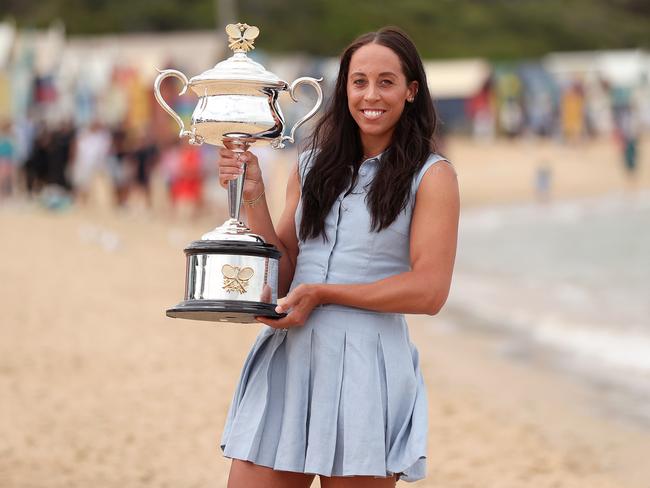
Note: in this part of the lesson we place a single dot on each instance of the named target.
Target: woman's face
(377, 91)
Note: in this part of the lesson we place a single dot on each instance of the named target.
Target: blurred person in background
(120, 166)
(510, 111)
(38, 162)
(61, 141)
(186, 181)
(167, 167)
(24, 139)
(7, 160)
(144, 156)
(573, 112)
(368, 233)
(543, 180)
(628, 131)
(480, 108)
(91, 151)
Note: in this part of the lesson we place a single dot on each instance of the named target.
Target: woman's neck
(373, 147)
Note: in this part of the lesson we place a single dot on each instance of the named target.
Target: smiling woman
(368, 233)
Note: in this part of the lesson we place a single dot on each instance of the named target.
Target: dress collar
(374, 159)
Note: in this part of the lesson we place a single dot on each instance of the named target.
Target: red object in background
(188, 182)
(480, 101)
(45, 91)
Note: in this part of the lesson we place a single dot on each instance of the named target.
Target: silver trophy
(231, 273)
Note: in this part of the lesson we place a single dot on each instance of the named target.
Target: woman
(368, 233)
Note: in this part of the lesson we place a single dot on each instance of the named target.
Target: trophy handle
(194, 139)
(306, 80)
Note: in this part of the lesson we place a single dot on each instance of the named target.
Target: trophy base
(234, 311)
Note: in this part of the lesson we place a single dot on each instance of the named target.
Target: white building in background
(85, 64)
(458, 78)
(626, 68)
(7, 34)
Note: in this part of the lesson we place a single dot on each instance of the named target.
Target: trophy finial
(241, 37)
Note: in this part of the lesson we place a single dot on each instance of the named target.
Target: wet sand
(100, 389)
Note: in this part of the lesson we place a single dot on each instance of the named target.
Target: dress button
(363, 172)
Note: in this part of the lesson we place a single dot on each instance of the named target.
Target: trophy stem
(239, 144)
(235, 194)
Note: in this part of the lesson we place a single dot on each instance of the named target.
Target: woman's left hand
(298, 303)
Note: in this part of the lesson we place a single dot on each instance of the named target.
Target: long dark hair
(337, 150)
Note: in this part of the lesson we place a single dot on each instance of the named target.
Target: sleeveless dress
(342, 395)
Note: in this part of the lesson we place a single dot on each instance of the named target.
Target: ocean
(565, 281)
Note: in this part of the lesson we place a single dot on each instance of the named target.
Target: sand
(492, 173)
(100, 389)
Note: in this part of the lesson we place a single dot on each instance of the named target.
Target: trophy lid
(239, 67)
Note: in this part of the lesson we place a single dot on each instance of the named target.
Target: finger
(267, 321)
(230, 171)
(229, 163)
(249, 158)
(284, 305)
(283, 323)
(226, 153)
(225, 179)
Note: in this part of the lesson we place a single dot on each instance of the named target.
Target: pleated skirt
(341, 396)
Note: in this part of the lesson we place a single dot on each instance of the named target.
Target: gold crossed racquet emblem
(236, 278)
(241, 37)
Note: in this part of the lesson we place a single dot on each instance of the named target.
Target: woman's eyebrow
(383, 73)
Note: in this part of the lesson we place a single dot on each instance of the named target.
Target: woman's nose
(371, 93)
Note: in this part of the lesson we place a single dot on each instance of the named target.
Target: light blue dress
(343, 395)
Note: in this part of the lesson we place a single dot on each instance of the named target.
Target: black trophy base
(235, 311)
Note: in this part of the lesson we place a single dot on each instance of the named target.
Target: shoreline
(585, 318)
(559, 433)
(621, 395)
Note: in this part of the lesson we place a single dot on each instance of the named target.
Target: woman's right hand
(231, 166)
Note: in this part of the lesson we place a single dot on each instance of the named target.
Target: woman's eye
(386, 82)
(358, 82)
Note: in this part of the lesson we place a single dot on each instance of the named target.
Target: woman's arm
(282, 236)
(424, 289)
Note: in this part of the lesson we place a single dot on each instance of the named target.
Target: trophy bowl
(232, 274)
(238, 98)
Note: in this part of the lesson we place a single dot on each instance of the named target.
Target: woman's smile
(372, 114)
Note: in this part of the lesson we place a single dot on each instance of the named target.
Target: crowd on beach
(60, 164)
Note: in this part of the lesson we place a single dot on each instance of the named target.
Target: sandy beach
(100, 389)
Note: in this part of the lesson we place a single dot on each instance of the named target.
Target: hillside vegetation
(497, 29)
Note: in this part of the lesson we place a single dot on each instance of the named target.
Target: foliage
(497, 29)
